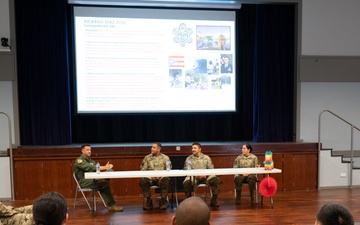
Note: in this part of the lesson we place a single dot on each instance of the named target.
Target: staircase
(350, 156)
(346, 157)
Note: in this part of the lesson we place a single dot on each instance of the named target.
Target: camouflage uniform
(202, 162)
(83, 165)
(16, 216)
(151, 162)
(243, 161)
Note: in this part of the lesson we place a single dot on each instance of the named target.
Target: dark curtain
(274, 73)
(43, 75)
(183, 127)
(47, 118)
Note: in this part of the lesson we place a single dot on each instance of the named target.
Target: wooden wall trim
(38, 170)
(70, 152)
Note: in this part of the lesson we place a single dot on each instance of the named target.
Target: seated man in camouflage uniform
(155, 161)
(201, 161)
(246, 160)
(16, 216)
(85, 164)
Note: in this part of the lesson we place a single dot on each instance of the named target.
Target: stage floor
(290, 207)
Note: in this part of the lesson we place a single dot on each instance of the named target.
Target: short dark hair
(334, 214)
(158, 144)
(85, 145)
(196, 143)
(186, 215)
(50, 209)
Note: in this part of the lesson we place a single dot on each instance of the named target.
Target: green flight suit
(83, 165)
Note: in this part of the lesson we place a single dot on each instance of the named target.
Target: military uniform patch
(79, 161)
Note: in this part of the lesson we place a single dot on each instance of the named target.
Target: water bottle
(97, 167)
(189, 165)
(168, 165)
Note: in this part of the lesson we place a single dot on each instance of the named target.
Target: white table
(175, 173)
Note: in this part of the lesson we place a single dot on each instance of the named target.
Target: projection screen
(142, 60)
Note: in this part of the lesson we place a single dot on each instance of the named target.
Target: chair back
(76, 180)
(178, 164)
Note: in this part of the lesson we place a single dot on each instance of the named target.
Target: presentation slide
(154, 60)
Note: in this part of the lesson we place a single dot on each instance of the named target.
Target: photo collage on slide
(213, 69)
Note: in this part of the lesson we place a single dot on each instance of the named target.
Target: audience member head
(50, 209)
(191, 211)
(334, 214)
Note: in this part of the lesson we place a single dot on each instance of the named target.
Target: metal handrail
(351, 140)
(11, 156)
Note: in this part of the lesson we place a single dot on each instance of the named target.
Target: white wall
(344, 100)
(5, 187)
(4, 21)
(329, 29)
(6, 87)
(6, 106)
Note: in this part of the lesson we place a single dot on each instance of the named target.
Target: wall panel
(39, 170)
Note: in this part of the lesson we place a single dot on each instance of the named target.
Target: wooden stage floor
(291, 207)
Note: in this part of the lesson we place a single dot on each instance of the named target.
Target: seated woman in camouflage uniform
(246, 160)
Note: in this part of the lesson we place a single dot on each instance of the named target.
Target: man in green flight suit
(85, 164)
(199, 160)
(155, 161)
